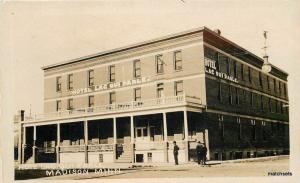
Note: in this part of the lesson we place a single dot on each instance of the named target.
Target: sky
(35, 34)
(47, 33)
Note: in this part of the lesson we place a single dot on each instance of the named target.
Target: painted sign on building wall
(210, 68)
(111, 85)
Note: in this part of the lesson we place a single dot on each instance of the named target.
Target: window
(177, 60)
(160, 90)
(58, 105)
(279, 87)
(276, 106)
(228, 66)
(221, 127)
(218, 65)
(230, 95)
(270, 105)
(112, 97)
(70, 82)
(58, 84)
(91, 77)
(274, 81)
(253, 129)
(70, 104)
(284, 89)
(178, 88)
(220, 92)
(281, 107)
(159, 64)
(260, 79)
(261, 103)
(137, 94)
(268, 82)
(237, 96)
(91, 101)
(235, 70)
(239, 128)
(264, 133)
(111, 73)
(250, 74)
(137, 68)
(251, 99)
(242, 72)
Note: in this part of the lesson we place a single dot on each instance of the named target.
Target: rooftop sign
(210, 68)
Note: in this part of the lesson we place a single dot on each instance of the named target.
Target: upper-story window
(250, 74)
(159, 64)
(58, 84)
(177, 60)
(137, 94)
(230, 95)
(270, 105)
(284, 89)
(220, 92)
(238, 120)
(70, 82)
(268, 82)
(274, 81)
(237, 96)
(58, 105)
(160, 90)
(91, 77)
(111, 73)
(260, 79)
(279, 87)
(91, 101)
(251, 99)
(242, 72)
(221, 126)
(112, 97)
(178, 88)
(137, 68)
(70, 104)
(228, 66)
(235, 69)
(262, 103)
(253, 131)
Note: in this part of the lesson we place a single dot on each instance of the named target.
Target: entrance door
(142, 134)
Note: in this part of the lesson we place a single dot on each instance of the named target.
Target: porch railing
(117, 107)
(74, 148)
(101, 148)
(149, 145)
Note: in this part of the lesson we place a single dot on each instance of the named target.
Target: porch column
(132, 137)
(165, 137)
(186, 140)
(23, 144)
(207, 143)
(58, 143)
(85, 126)
(115, 137)
(20, 143)
(34, 145)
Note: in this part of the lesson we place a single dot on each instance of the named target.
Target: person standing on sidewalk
(199, 151)
(175, 152)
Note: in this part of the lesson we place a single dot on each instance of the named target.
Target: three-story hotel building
(129, 104)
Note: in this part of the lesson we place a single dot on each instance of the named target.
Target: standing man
(199, 152)
(175, 152)
(204, 154)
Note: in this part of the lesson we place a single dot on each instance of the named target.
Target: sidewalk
(124, 166)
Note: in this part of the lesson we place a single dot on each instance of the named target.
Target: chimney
(22, 112)
(217, 31)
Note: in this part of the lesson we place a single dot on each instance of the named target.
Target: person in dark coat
(199, 151)
(175, 152)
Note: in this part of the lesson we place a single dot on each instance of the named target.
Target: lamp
(266, 66)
